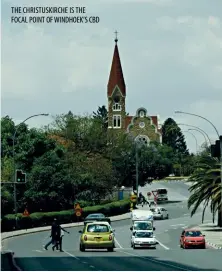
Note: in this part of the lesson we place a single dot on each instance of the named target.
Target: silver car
(159, 213)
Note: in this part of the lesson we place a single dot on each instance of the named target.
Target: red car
(191, 238)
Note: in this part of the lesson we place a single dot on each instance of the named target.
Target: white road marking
(118, 243)
(187, 214)
(130, 248)
(156, 261)
(166, 230)
(162, 245)
(92, 266)
(37, 250)
(177, 225)
(71, 255)
(84, 262)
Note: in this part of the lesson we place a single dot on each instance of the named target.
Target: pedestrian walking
(54, 231)
(58, 238)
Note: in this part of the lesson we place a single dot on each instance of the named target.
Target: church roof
(116, 74)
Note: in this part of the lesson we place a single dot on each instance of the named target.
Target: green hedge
(44, 219)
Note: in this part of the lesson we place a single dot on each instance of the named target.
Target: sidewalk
(213, 234)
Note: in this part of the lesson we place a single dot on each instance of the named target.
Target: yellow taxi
(97, 235)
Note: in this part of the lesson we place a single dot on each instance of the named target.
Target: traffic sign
(133, 198)
(78, 209)
(25, 213)
(78, 213)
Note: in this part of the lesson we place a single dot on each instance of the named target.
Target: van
(162, 194)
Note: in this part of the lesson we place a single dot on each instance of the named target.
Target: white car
(160, 213)
(143, 238)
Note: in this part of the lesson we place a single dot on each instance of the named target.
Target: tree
(173, 137)
(102, 116)
(206, 188)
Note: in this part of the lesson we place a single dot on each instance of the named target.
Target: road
(168, 256)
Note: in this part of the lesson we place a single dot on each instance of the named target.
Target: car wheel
(167, 216)
(204, 247)
(110, 249)
(162, 216)
(81, 248)
(134, 247)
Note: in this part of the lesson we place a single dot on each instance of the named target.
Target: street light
(13, 148)
(194, 129)
(193, 137)
(138, 143)
(199, 129)
(220, 139)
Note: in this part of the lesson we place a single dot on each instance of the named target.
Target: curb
(214, 245)
(9, 235)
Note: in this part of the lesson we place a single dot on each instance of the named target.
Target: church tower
(116, 93)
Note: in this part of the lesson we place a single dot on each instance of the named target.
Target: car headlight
(188, 241)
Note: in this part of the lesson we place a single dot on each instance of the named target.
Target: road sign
(25, 213)
(78, 213)
(78, 209)
(133, 198)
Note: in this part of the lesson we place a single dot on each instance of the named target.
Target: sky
(171, 54)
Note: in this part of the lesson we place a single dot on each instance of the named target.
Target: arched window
(143, 139)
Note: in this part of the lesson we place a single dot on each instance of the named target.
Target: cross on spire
(116, 39)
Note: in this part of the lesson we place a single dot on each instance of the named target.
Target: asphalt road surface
(168, 256)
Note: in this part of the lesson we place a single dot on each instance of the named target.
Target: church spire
(116, 73)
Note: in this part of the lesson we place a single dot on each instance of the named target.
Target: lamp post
(193, 129)
(220, 139)
(138, 144)
(197, 128)
(14, 165)
(195, 138)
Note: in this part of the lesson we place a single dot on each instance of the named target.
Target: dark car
(96, 217)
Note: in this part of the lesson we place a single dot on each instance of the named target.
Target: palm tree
(206, 187)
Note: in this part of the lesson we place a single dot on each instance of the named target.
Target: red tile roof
(116, 74)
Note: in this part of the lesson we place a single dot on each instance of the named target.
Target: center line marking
(71, 255)
(162, 245)
(118, 243)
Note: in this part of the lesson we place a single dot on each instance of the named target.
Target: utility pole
(137, 170)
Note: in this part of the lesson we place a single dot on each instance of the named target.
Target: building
(142, 126)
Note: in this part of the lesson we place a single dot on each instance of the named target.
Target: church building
(141, 126)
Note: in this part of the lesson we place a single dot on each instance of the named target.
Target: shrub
(43, 219)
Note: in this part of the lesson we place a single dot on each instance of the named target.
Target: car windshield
(142, 226)
(193, 234)
(162, 191)
(144, 235)
(96, 215)
(98, 228)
